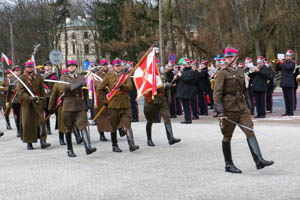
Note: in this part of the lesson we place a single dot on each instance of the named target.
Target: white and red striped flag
(6, 59)
(146, 76)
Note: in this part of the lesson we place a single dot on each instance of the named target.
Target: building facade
(81, 41)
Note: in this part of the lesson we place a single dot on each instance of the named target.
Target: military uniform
(3, 89)
(74, 109)
(32, 114)
(231, 102)
(48, 90)
(158, 104)
(13, 98)
(118, 108)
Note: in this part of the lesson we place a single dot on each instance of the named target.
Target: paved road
(192, 169)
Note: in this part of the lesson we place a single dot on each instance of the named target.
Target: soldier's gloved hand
(168, 85)
(51, 112)
(35, 98)
(121, 87)
(7, 104)
(105, 103)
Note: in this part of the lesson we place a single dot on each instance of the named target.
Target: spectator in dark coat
(287, 82)
(259, 80)
(203, 87)
(169, 77)
(186, 89)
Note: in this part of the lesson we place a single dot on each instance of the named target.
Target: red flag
(120, 81)
(146, 76)
(6, 59)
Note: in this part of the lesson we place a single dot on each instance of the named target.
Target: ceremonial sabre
(56, 81)
(243, 126)
(22, 83)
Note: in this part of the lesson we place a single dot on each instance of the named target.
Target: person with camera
(259, 78)
(287, 82)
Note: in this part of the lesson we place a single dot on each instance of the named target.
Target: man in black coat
(287, 82)
(269, 95)
(186, 89)
(169, 77)
(203, 86)
(296, 73)
(259, 80)
(133, 94)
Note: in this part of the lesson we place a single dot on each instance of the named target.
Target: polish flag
(6, 59)
(147, 77)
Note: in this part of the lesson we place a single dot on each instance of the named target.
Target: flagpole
(128, 76)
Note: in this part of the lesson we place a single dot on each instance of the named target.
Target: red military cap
(260, 59)
(204, 62)
(229, 51)
(289, 53)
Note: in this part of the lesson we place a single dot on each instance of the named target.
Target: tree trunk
(257, 47)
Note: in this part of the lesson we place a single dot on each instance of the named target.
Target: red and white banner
(120, 81)
(6, 59)
(146, 76)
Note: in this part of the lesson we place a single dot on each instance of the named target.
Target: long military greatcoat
(32, 114)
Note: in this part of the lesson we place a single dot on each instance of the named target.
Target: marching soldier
(287, 82)
(75, 104)
(159, 104)
(3, 89)
(32, 114)
(12, 98)
(119, 107)
(231, 97)
(48, 74)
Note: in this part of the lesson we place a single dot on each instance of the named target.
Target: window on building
(86, 35)
(73, 35)
(86, 49)
(74, 50)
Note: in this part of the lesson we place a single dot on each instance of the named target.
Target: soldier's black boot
(102, 137)
(149, 135)
(8, 127)
(1, 134)
(61, 138)
(256, 154)
(229, 166)
(115, 146)
(48, 128)
(70, 151)
(130, 139)
(122, 132)
(77, 135)
(29, 146)
(87, 142)
(44, 144)
(171, 138)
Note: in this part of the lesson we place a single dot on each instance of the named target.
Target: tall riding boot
(229, 166)
(48, 128)
(77, 135)
(44, 144)
(171, 138)
(1, 134)
(61, 138)
(102, 136)
(70, 151)
(87, 142)
(122, 132)
(149, 135)
(114, 141)
(8, 127)
(130, 139)
(29, 146)
(256, 154)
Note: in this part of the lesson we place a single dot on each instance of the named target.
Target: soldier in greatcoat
(119, 107)
(75, 106)
(32, 113)
(231, 104)
(3, 95)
